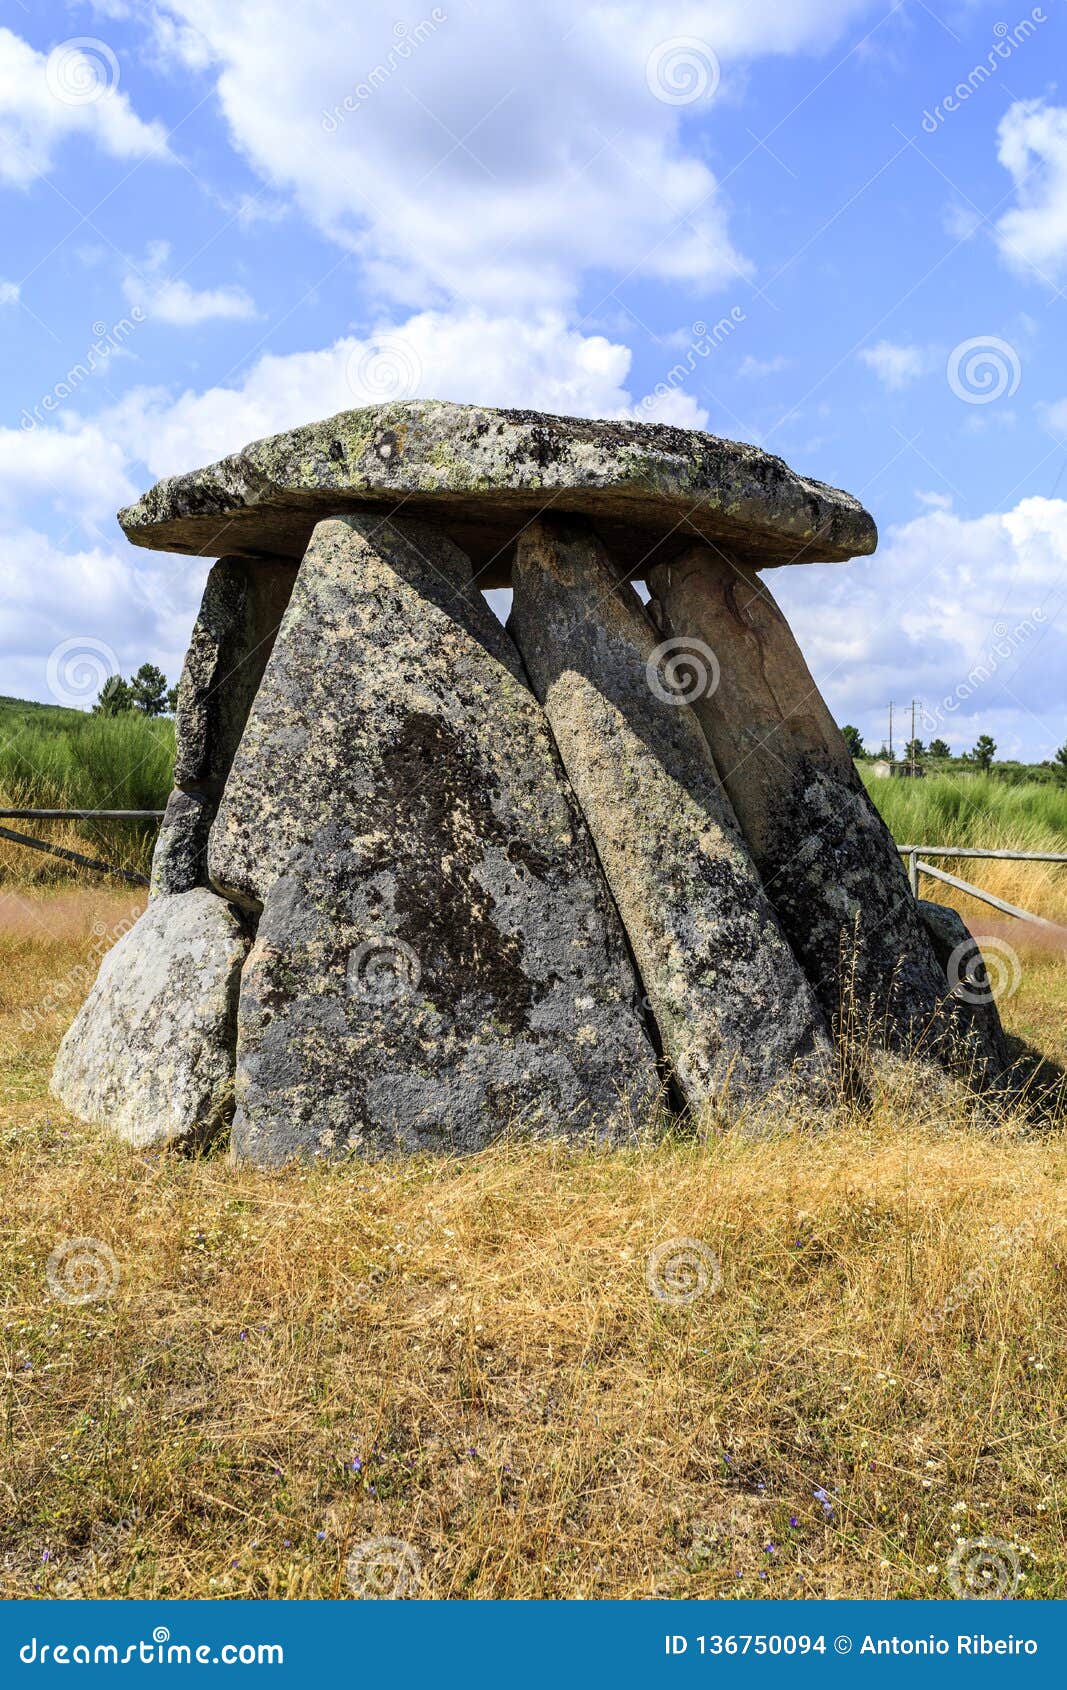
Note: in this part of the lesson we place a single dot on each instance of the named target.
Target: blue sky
(247, 215)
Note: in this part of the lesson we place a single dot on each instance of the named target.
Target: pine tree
(148, 690)
(982, 755)
(114, 697)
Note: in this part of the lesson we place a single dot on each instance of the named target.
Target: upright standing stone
(733, 1008)
(827, 859)
(437, 957)
(243, 603)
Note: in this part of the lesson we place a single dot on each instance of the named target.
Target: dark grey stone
(179, 861)
(966, 975)
(243, 603)
(438, 959)
(734, 1012)
(825, 856)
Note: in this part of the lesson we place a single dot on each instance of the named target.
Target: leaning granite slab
(438, 959)
(482, 474)
(243, 603)
(151, 1052)
(736, 1017)
(826, 858)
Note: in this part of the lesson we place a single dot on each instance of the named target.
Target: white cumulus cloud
(81, 470)
(472, 357)
(496, 154)
(964, 614)
(73, 92)
(73, 474)
(896, 366)
(1032, 145)
(172, 300)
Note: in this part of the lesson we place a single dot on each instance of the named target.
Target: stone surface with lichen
(482, 474)
(736, 1017)
(150, 1053)
(437, 958)
(828, 861)
(242, 606)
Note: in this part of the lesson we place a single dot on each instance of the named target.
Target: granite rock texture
(437, 959)
(960, 957)
(734, 1012)
(826, 858)
(150, 1053)
(482, 474)
(243, 603)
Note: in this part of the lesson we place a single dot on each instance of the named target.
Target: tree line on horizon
(981, 755)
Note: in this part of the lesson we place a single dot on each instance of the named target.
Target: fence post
(913, 872)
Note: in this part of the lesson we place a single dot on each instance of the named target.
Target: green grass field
(973, 809)
(52, 758)
(55, 758)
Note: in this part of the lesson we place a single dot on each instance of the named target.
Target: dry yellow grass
(467, 1356)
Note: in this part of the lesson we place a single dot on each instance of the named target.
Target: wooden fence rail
(51, 850)
(916, 866)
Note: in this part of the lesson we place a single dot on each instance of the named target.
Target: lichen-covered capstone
(243, 603)
(734, 1011)
(826, 858)
(437, 958)
(150, 1053)
(483, 474)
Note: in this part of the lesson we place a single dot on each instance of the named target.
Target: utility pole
(890, 732)
(913, 758)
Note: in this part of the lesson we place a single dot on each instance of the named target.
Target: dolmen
(425, 880)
